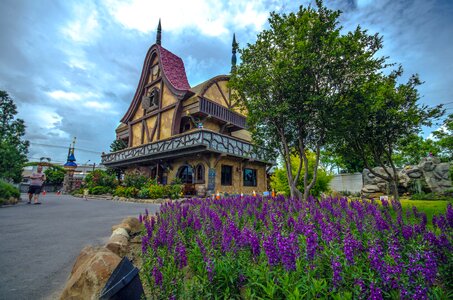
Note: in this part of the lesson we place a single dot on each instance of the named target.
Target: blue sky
(72, 67)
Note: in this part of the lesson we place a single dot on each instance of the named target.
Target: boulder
(118, 244)
(120, 231)
(130, 224)
(90, 272)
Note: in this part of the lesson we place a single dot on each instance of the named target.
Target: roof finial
(233, 58)
(159, 34)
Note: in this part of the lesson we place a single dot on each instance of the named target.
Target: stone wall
(430, 175)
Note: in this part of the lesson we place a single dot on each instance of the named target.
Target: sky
(72, 67)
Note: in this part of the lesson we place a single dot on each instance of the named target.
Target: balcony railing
(200, 140)
(222, 113)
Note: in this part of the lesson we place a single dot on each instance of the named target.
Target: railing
(201, 138)
(221, 112)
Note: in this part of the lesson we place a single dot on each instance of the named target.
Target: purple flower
(375, 292)
(181, 255)
(449, 215)
(287, 249)
(271, 250)
(336, 268)
(312, 244)
(145, 242)
(157, 276)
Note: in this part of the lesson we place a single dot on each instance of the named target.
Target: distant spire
(233, 58)
(159, 34)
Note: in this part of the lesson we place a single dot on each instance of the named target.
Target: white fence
(347, 182)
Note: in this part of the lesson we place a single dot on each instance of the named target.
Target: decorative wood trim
(142, 139)
(212, 81)
(217, 159)
(176, 122)
(158, 125)
(145, 124)
(223, 95)
(155, 112)
(154, 130)
(131, 134)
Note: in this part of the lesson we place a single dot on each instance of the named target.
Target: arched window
(199, 173)
(186, 124)
(185, 173)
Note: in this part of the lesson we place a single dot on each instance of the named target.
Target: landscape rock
(133, 224)
(90, 272)
(118, 244)
(120, 231)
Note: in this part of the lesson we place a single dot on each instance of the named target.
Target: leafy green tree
(411, 150)
(279, 180)
(444, 137)
(379, 115)
(292, 79)
(117, 145)
(55, 175)
(13, 149)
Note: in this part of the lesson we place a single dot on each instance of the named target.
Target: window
(185, 173)
(186, 124)
(199, 174)
(249, 177)
(227, 175)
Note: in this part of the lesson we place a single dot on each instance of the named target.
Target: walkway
(39, 243)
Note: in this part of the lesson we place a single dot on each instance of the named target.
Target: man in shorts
(37, 180)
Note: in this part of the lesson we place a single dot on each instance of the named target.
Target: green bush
(433, 196)
(143, 193)
(135, 180)
(131, 192)
(120, 191)
(77, 191)
(156, 191)
(100, 178)
(99, 190)
(173, 191)
(7, 191)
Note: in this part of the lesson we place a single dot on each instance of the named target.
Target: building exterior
(195, 134)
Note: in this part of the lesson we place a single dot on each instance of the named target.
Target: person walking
(37, 180)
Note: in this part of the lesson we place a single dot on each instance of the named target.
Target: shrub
(173, 191)
(99, 190)
(156, 191)
(131, 192)
(135, 180)
(432, 196)
(77, 191)
(268, 248)
(7, 191)
(120, 191)
(100, 178)
(143, 193)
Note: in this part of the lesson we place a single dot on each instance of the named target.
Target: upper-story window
(186, 124)
(154, 73)
(151, 100)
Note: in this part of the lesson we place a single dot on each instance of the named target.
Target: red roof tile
(173, 68)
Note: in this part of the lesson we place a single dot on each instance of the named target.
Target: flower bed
(289, 249)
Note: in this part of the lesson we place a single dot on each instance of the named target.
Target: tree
(294, 77)
(55, 175)
(117, 145)
(444, 137)
(411, 149)
(279, 180)
(379, 115)
(13, 149)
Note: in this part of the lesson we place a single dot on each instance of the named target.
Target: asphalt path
(39, 243)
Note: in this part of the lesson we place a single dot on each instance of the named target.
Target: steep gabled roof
(173, 74)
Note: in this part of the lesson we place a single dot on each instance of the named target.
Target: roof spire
(233, 57)
(159, 33)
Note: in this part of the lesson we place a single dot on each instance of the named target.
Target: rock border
(94, 265)
(126, 199)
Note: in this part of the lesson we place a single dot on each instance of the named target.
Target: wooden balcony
(205, 107)
(198, 141)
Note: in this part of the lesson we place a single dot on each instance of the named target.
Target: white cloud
(98, 105)
(211, 18)
(85, 27)
(71, 96)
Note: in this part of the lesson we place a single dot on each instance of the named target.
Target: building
(196, 134)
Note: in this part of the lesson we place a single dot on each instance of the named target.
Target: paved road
(39, 243)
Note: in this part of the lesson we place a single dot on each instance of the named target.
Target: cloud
(210, 18)
(84, 28)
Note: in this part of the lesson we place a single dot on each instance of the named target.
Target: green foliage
(7, 191)
(279, 180)
(100, 190)
(120, 191)
(13, 150)
(173, 191)
(412, 148)
(131, 192)
(100, 178)
(55, 175)
(444, 137)
(117, 145)
(77, 191)
(448, 195)
(136, 180)
(296, 74)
